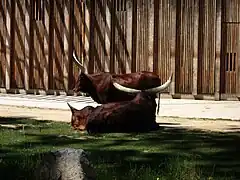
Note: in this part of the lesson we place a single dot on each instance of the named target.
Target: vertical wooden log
(2, 43)
(108, 35)
(218, 49)
(113, 38)
(67, 10)
(129, 35)
(46, 12)
(92, 45)
(87, 34)
(27, 45)
(134, 36)
(173, 45)
(146, 34)
(50, 45)
(150, 35)
(195, 47)
(8, 42)
(156, 37)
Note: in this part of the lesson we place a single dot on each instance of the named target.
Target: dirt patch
(65, 116)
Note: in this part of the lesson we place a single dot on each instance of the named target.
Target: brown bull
(100, 85)
(136, 115)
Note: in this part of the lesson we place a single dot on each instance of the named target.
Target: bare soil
(218, 125)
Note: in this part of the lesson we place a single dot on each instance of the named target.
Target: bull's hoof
(155, 127)
(91, 132)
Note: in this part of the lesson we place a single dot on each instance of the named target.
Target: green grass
(167, 154)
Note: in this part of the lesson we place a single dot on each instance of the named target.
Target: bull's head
(82, 77)
(82, 83)
(154, 90)
(79, 117)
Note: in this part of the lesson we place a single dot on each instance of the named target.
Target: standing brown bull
(136, 115)
(100, 85)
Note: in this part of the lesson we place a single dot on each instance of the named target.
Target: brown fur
(100, 85)
(137, 115)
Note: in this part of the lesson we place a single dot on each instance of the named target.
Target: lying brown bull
(100, 85)
(136, 115)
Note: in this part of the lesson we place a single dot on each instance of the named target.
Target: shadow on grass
(164, 152)
(21, 120)
(22, 123)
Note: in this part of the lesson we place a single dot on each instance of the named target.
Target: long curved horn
(162, 87)
(77, 61)
(152, 90)
(71, 108)
(125, 89)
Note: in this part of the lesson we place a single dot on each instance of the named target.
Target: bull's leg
(91, 129)
(158, 106)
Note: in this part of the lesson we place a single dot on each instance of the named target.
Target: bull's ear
(86, 77)
(72, 108)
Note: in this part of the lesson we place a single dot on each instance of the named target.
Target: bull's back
(123, 117)
(139, 80)
(105, 92)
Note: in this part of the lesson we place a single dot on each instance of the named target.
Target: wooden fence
(197, 40)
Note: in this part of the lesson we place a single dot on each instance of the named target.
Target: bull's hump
(127, 80)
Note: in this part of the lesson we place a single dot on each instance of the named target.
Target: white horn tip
(77, 61)
(171, 77)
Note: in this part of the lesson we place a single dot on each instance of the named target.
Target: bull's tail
(158, 106)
